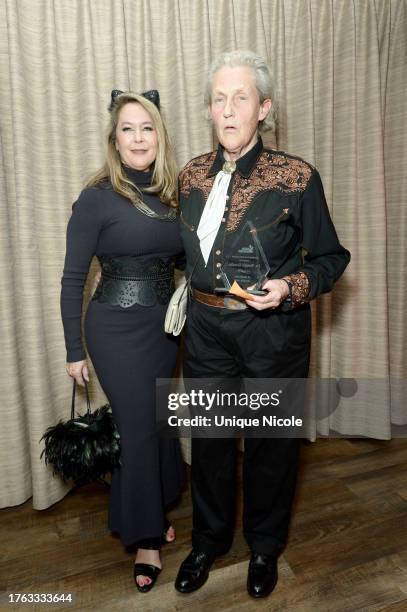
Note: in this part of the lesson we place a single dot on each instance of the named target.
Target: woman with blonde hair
(127, 217)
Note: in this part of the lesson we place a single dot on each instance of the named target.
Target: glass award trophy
(247, 264)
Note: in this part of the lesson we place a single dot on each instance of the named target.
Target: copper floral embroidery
(300, 288)
(272, 171)
(195, 175)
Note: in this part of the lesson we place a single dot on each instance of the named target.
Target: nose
(228, 108)
(138, 134)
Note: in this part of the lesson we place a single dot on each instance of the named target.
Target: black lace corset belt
(129, 282)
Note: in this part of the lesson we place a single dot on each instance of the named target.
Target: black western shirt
(283, 198)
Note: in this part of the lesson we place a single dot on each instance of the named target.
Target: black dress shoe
(194, 571)
(262, 575)
(150, 571)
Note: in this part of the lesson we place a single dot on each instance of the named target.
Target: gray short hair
(264, 80)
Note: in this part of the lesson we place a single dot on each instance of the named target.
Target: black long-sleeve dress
(128, 347)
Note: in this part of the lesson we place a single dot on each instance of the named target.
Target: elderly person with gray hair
(239, 192)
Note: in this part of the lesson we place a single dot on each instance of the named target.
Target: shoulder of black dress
(96, 195)
(104, 185)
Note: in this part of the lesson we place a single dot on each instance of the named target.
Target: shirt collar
(244, 165)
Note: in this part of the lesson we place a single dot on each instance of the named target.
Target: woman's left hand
(277, 292)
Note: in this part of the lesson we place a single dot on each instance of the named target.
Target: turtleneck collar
(139, 177)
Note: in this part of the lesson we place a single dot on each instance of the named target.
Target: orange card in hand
(237, 290)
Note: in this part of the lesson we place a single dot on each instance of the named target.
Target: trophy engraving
(247, 264)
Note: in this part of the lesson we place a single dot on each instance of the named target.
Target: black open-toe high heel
(147, 569)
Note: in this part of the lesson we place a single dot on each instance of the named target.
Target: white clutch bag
(177, 309)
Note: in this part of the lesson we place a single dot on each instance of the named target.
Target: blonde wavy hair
(164, 178)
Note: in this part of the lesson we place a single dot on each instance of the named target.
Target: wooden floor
(347, 549)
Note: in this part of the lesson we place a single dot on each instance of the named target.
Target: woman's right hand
(79, 371)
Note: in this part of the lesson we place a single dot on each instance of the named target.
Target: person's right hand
(79, 371)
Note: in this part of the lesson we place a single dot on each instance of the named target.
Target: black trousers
(231, 344)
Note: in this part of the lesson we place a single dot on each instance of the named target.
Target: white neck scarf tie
(214, 208)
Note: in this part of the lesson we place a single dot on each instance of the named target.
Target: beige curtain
(340, 69)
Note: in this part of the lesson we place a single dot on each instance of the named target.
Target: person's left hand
(277, 291)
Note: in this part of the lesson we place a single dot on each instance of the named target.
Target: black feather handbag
(86, 447)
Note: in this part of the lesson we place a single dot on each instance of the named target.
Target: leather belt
(230, 302)
(135, 268)
(128, 282)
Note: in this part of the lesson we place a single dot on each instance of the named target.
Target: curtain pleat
(340, 72)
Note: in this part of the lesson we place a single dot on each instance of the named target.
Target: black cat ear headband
(152, 95)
